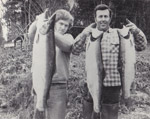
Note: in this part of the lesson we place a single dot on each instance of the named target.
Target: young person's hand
(46, 22)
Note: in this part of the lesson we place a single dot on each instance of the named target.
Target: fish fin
(33, 93)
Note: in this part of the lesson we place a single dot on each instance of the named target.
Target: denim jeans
(110, 102)
(111, 95)
(57, 102)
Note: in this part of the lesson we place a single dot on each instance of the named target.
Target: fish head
(124, 31)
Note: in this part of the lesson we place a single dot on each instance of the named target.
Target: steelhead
(128, 60)
(43, 58)
(94, 72)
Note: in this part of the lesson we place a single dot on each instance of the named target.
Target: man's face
(102, 19)
(61, 26)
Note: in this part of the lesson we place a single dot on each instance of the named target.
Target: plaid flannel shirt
(110, 52)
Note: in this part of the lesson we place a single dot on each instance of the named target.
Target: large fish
(43, 58)
(128, 60)
(94, 70)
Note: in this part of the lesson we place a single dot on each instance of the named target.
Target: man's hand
(132, 27)
(88, 30)
(81, 38)
(91, 29)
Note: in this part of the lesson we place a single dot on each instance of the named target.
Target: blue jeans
(57, 102)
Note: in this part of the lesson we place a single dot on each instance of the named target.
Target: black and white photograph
(74, 59)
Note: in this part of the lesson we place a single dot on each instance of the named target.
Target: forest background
(19, 14)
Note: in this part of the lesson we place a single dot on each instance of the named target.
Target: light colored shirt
(62, 62)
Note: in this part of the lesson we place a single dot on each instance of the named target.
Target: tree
(20, 13)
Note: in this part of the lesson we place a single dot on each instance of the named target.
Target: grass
(15, 86)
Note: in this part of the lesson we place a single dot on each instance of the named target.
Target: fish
(94, 72)
(43, 58)
(128, 60)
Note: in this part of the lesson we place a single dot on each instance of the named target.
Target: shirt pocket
(114, 46)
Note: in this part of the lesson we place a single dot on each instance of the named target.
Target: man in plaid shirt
(110, 51)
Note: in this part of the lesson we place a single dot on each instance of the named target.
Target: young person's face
(61, 26)
(102, 19)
